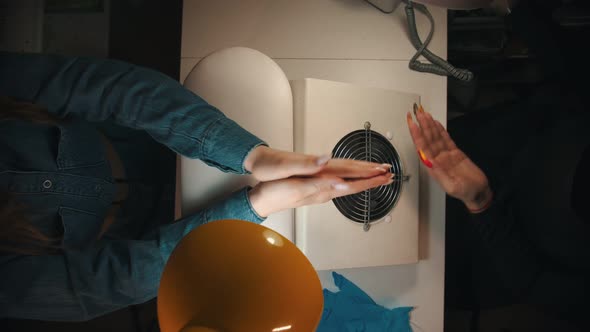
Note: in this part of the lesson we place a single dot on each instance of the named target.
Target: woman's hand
(291, 180)
(267, 164)
(451, 168)
(273, 196)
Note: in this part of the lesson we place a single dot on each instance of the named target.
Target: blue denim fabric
(62, 176)
(352, 310)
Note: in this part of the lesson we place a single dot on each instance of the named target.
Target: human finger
(425, 125)
(446, 138)
(350, 168)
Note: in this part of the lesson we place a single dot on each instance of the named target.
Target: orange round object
(233, 275)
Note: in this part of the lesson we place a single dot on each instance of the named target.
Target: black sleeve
(523, 270)
(513, 255)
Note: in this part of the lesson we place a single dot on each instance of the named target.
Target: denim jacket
(60, 173)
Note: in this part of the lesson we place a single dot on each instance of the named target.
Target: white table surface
(347, 41)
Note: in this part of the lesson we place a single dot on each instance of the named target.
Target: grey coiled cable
(438, 65)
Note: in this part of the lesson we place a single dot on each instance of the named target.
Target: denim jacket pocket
(80, 228)
(80, 145)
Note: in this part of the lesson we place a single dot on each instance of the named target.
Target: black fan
(374, 204)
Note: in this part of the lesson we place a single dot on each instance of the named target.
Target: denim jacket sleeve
(79, 285)
(139, 98)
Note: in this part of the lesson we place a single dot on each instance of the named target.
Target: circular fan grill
(373, 204)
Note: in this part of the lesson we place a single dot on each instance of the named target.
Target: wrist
(481, 201)
(257, 202)
(253, 155)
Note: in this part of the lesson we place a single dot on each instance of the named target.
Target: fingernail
(421, 154)
(381, 169)
(421, 109)
(323, 159)
(340, 186)
(408, 116)
(424, 160)
(388, 166)
(388, 182)
(392, 175)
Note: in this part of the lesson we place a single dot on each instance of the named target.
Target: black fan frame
(381, 199)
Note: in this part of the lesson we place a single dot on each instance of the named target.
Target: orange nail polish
(425, 160)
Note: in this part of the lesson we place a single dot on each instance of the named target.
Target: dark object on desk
(572, 15)
(541, 61)
(530, 248)
(538, 43)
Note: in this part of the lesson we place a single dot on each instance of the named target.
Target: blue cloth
(61, 174)
(352, 310)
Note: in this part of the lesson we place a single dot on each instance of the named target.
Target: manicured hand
(273, 196)
(450, 167)
(267, 164)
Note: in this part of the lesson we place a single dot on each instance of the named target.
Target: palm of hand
(452, 169)
(269, 164)
(291, 180)
(457, 174)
